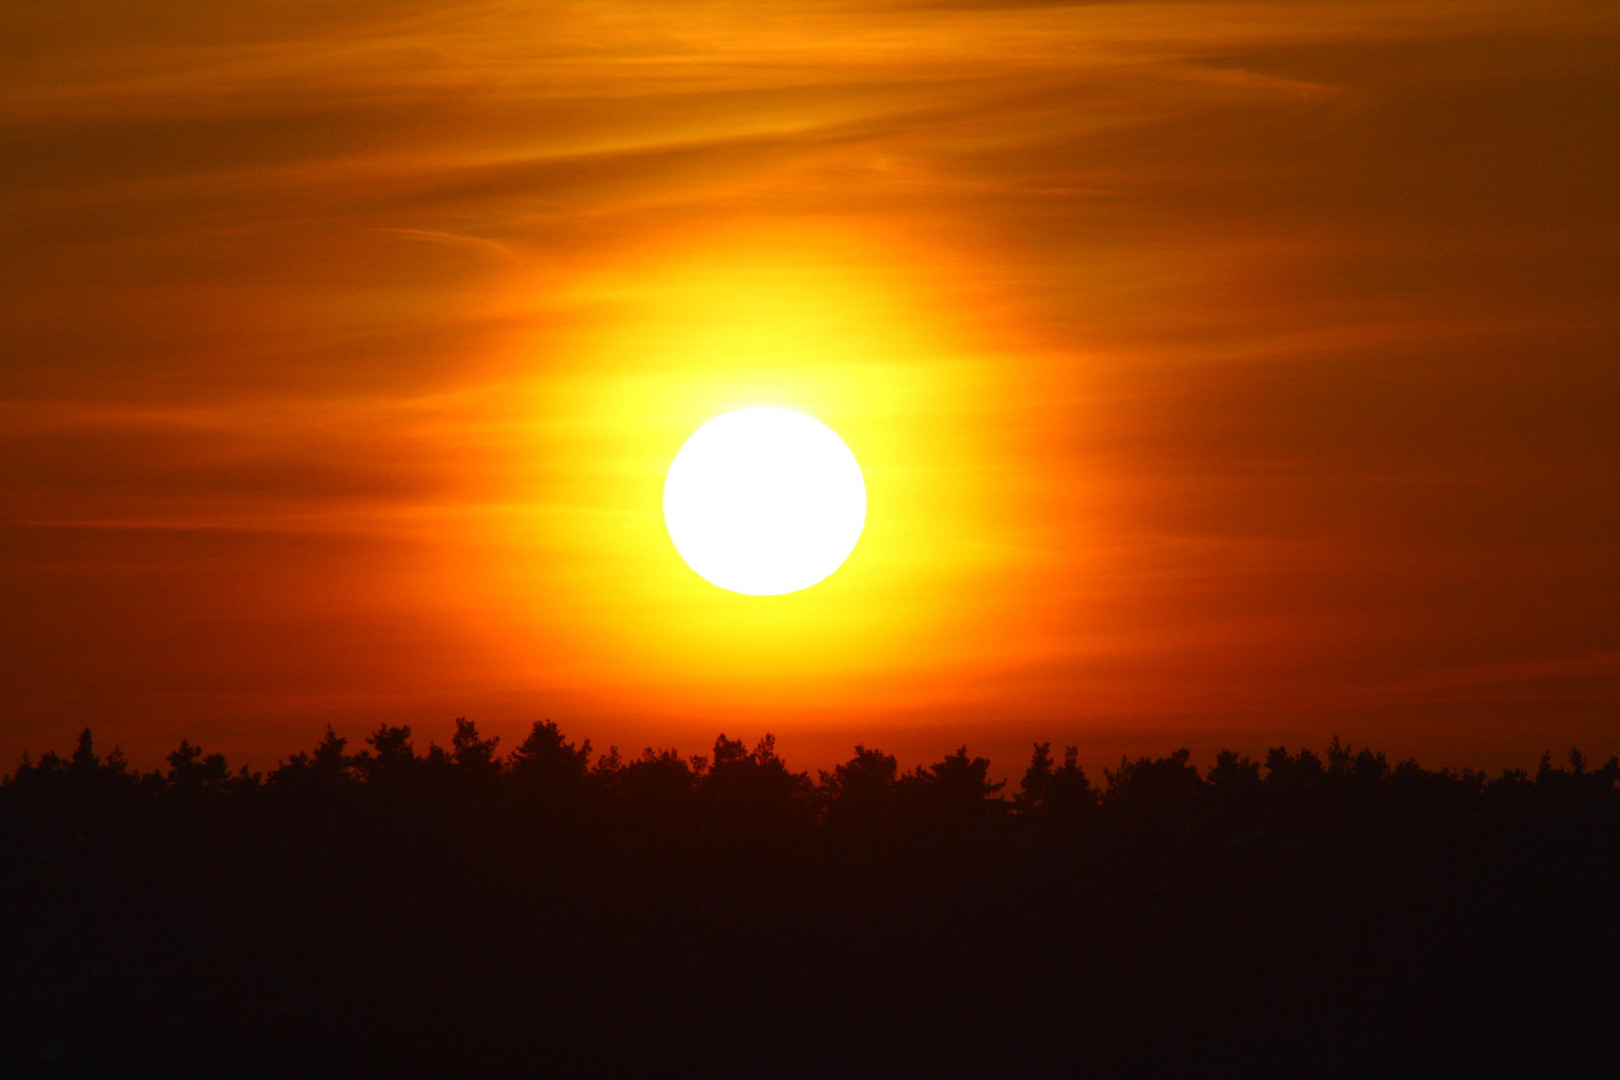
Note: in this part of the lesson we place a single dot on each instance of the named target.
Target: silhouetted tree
(1234, 785)
(954, 794)
(473, 755)
(391, 758)
(861, 795)
(1163, 790)
(751, 792)
(1055, 795)
(545, 765)
(191, 770)
(85, 759)
(328, 767)
(659, 787)
(1292, 773)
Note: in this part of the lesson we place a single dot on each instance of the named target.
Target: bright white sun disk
(764, 501)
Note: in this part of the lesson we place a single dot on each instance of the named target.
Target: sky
(1222, 374)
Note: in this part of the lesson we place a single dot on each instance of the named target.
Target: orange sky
(1223, 374)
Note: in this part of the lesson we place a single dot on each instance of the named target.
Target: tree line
(379, 909)
(870, 791)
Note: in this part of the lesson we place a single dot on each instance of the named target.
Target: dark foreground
(461, 913)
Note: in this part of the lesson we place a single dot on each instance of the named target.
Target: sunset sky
(1222, 374)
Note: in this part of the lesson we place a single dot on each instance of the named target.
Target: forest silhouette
(381, 911)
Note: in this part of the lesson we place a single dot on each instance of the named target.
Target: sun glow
(764, 501)
(574, 561)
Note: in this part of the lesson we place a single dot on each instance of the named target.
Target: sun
(764, 501)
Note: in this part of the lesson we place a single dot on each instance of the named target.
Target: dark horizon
(1002, 768)
(375, 910)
